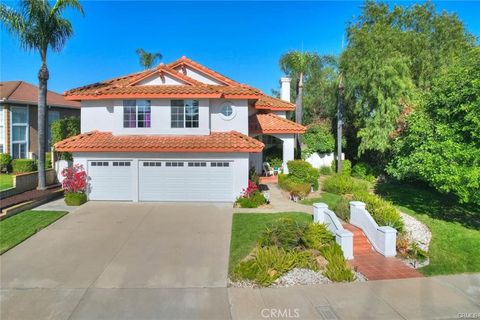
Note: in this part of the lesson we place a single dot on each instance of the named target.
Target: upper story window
(184, 114)
(136, 114)
(19, 125)
(227, 111)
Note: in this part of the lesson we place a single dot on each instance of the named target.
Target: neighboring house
(18, 117)
(177, 132)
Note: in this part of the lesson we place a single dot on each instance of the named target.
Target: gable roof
(95, 141)
(26, 93)
(271, 123)
(127, 87)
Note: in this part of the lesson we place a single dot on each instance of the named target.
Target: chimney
(285, 89)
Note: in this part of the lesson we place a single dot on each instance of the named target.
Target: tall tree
(148, 59)
(39, 26)
(298, 66)
(392, 56)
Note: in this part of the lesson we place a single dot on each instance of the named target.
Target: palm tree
(39, 26)
(148, 59)
(298, 65)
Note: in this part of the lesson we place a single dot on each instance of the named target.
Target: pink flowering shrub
(75, 179)
(252, 187)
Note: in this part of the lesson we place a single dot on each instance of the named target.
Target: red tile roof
(125, 87)
(270, 123)
(106, 142)
(24, 92)
(271, 103)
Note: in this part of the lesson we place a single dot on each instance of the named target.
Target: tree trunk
(339, 125)
(43, 76)
(299, 111)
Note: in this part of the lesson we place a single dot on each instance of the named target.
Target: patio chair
(267, 169)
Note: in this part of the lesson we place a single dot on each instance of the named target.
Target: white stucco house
(177, 132)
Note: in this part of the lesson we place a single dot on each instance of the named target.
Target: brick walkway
(270, 179)
(372, 264)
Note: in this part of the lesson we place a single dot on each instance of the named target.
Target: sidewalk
(442, 297)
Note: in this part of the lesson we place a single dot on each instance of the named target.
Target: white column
(288, 149)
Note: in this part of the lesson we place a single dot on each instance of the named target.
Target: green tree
(148, 59)
(39, 26)
(63, 129)
(391, 56)
(440, 144)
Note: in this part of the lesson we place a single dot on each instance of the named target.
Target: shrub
(325, 170)
(5, 160)
(48, 160)
(24, 165)
(62, 129)
(342, 184)
(75, 199)
(269, 263)
(317, 236)
(382, 211)
(346, 167)
(284, 233)
(75, 179)
(337, 268)
(294, 186)
(253, 176)
(254, 200)
(342, 209)
(318, 138)
(303, 172)
(364, 171)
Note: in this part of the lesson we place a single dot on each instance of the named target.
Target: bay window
(136, 114)
(19, 120)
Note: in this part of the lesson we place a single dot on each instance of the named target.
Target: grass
(248, 227)
(455, 227)
(21, 226)
(6, 181)
(330, 199)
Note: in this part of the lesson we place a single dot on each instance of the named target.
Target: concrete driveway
(122, 261)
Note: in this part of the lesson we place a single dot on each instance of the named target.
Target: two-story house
(177, 132)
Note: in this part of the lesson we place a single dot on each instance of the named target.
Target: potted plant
(74, 185)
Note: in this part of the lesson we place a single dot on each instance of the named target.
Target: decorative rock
(416, 231)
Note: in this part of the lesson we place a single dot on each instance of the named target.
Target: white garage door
(110, 180)
(180, 180)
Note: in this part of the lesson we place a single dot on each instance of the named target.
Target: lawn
(6, 181)
(455, 246)
(248, 227)
(21, 226)
(330, 199)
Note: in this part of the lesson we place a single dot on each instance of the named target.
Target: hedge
(24, 165)
(342, 184)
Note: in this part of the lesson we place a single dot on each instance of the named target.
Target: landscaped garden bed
(284, 249)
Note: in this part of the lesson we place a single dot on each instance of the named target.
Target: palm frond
(61, 5)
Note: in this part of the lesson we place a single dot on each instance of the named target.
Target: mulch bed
(27, 196)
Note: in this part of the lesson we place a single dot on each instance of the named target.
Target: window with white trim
(137, 114)
(184, 114)
(2, 130)
(197, 164)
(19, 126)
(99, 164)
(152, 164)
(121, 163)
(173, 164)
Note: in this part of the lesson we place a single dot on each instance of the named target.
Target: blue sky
(240, 40)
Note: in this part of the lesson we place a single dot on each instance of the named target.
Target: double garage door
(161, 180)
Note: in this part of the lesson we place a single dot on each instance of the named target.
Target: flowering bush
(75, 179)
(252, 187)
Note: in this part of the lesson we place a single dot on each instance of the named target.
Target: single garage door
(110, 180)
(180, 180)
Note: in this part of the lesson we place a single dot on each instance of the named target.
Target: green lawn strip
(21, 226)
(6, 181)
(453, 249)
(455, 227)
(248, 227)
(330, 199)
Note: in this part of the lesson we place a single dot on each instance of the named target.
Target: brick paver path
(372, 264)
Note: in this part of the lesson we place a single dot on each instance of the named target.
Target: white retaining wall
(344, 238)
(383, 239)
(318, 160)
